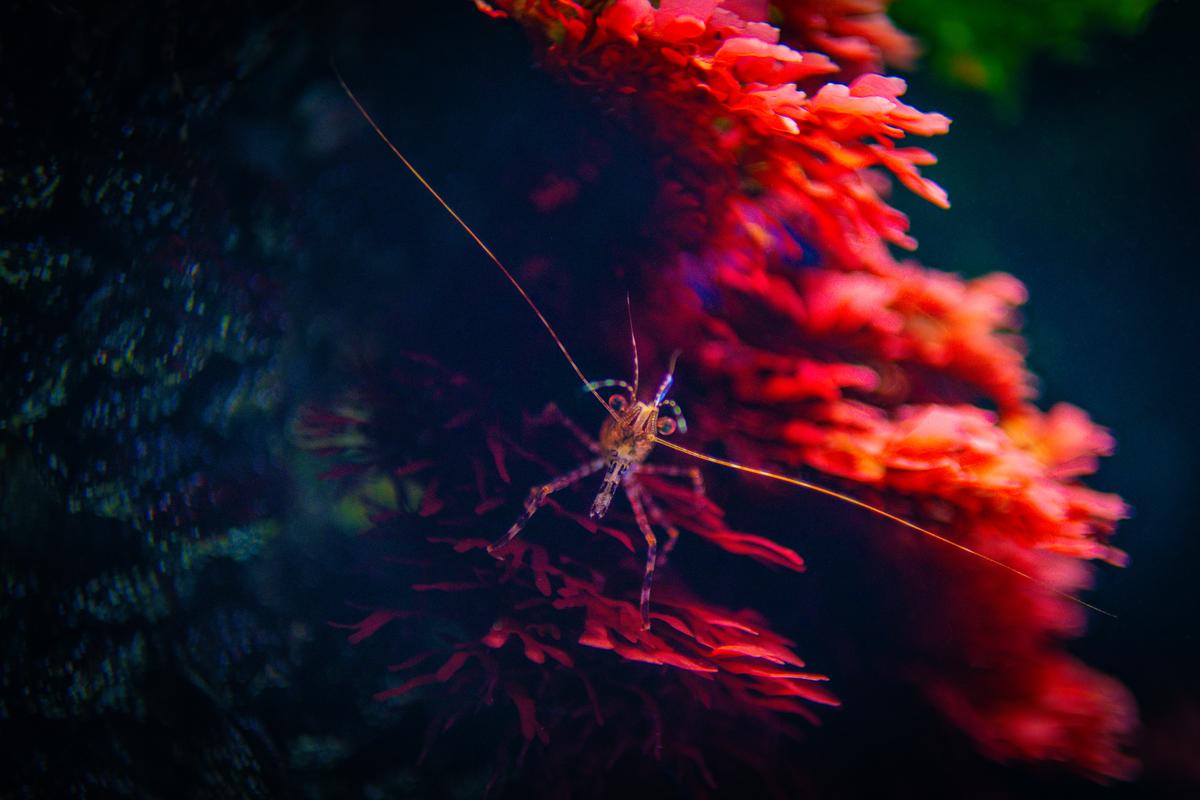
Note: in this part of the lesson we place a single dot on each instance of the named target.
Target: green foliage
(989, 44)
(140, 411)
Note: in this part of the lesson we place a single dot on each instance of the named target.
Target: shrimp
(626, 441)
(632, 430)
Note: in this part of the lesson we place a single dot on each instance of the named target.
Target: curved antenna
(608, 383)
(845, 498)
(633, 340)
(396, 151)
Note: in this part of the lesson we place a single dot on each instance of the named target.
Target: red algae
(857, 34)
(814, 347)
(554, 635)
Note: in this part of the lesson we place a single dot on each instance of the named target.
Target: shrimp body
(626, 442)
(627, 438)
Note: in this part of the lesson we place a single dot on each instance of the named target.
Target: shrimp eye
(666, 426)
(618, 402)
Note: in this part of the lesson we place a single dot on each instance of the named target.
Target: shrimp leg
(538, 496)
(639, 513)
(660, 519)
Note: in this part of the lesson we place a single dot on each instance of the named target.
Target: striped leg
(660, 519)
(552, 413)
(639, 513)
(677, 472)
(538, 496)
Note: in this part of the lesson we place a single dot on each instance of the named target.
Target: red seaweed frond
(554, 635)
(743, 114)
(815, 348)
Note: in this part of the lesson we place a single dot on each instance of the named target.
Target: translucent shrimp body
(626, 442)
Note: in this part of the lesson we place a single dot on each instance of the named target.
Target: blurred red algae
(811, 347)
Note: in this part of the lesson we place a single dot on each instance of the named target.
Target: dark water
(209, 238)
